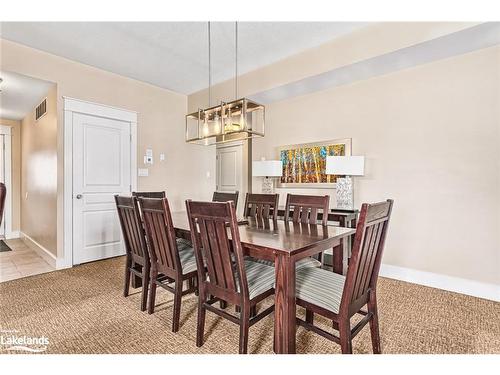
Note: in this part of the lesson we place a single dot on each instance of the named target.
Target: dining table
(284, 243)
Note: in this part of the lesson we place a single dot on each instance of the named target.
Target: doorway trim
(7, 150)
(72, 106)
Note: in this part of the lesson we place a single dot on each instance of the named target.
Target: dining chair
(149, 194)
(3, 194)
(172, 259)
(222, 196)
(338, 297)
(307, 209)
(137, 258)
(263, 208)
(229, 276)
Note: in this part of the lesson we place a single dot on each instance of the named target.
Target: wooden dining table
(284, 243)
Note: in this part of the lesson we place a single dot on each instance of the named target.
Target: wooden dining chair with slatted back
(222, 196)
(172, 259)
(149, 194)
(3, 194)
(261, 207)
(308, 209)
(338, 297)
(229, 276)
(137, 257)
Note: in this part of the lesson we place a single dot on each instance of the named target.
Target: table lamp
(267, 169)
(348, 166)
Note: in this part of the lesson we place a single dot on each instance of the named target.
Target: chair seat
(306, 262)
(320, 287)
(186, 255)
(260, 278)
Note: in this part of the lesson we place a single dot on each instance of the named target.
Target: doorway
(100, 161)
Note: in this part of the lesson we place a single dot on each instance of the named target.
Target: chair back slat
(305, 208)
(132, 229)
(261, 206)
(221, 196)
(367, 251)
(160, 234)
(149, 194)
(210, 223)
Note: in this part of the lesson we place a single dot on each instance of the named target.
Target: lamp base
(344, 193)
(267, 186)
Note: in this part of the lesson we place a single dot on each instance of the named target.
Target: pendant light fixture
(235, 120)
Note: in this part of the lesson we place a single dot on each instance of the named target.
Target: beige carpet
(81, 310)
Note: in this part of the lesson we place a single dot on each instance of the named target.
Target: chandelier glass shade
(236, 120)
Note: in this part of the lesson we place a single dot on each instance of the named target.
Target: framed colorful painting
(304, 164)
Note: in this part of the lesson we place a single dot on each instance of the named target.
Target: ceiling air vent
(41, 109)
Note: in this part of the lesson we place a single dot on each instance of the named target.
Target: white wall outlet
(162, 157)
(143, 172)
(208, 174)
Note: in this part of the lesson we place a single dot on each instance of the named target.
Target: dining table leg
(340, 258)
(284, 305)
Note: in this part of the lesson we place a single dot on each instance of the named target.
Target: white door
(229, 175)
(101, 169)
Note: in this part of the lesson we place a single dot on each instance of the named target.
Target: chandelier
(229, 121)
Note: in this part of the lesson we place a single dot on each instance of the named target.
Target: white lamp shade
(267, 168)
(345, 165)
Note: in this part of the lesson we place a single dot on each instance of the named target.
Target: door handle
(79, 196)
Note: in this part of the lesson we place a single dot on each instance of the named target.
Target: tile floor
(21, 262)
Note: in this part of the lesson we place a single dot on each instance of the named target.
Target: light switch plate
(143, 172)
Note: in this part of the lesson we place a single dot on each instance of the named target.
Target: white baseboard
(61, 263)
(12, 235)
(450, 283)
(39, 249)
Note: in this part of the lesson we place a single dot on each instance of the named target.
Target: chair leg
(345, 336)
(200, 330)
(177, 305)
(244, 327)
(253, 311)
(309, 316)
(152, 291)
(145, 285)
(126, 288)
(222, 304)
(374, 330)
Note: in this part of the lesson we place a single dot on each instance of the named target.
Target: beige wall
(39, 175)
(431, 140)
(374, 40)
(160, 121)
(16, 170)
(430, 134)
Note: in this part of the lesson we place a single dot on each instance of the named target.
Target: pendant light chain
(209, 67)
(236, 60)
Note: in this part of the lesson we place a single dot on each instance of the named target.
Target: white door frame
(7, 132)
(72, 106)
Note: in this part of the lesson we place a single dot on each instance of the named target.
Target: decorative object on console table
(348, 166)
(267, 169)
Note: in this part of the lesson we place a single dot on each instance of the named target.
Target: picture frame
(304, 164)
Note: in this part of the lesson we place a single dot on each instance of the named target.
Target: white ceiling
(20, 94)
(174, 55)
